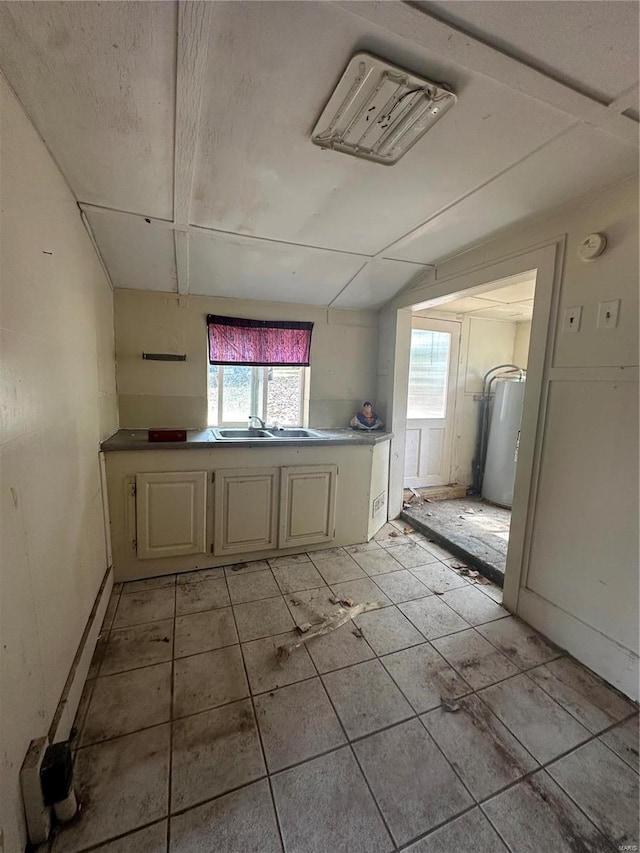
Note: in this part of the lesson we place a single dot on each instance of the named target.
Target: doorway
(431, 399)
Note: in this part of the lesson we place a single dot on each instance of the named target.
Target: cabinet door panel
(171, 517)
(307, 504)
(246, 506)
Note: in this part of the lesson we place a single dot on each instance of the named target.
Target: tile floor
(192, 737)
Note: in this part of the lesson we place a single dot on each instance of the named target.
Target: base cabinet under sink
(307, 505)
(245, 510)
(171, 514)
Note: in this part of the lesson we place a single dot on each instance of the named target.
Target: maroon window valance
(258, 343)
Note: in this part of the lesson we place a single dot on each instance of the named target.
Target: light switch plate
(571, 319)
(608, 314)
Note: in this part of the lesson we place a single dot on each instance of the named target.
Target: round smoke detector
(592, 247)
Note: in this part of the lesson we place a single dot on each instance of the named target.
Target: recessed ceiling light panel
(378, 111)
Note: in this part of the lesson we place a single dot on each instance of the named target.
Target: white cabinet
(171, 514)
(307, 505)
(246, 510)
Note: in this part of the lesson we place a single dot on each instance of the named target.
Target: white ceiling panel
(258, 172)
(511, 292)
(245, 268)
(517, 313)
(98, 82)
(545, 34)
(139, 255)
(377, 283)
(581, 161)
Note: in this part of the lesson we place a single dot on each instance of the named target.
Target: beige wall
(58, 392)
(578, 581)
(343, 357)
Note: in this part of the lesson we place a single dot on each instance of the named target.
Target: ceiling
(512, 301)
(183, 129)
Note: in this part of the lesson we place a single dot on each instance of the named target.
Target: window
(428, 372)
(275, 394)
(257, 367)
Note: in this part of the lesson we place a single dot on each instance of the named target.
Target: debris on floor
(340, 618)
(449, 705)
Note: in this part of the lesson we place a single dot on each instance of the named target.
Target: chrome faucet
(256, 418)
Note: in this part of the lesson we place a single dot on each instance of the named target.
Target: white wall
(344, 352)
(578, 578)
(58, 393)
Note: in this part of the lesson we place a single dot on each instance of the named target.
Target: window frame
(257, 395)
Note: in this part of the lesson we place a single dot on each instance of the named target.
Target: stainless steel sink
(242, 434)
(295, 433)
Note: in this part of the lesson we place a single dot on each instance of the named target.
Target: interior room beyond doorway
(467, 377)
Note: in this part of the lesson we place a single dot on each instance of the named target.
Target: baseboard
(65, 714)
(611, 661)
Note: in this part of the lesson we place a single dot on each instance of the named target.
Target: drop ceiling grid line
(478, 188)
(427, 31)
(353, 277)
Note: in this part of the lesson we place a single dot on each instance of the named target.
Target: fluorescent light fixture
(378, 111)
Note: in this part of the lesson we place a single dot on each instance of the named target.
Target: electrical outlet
(608, 314)
(571, 319)
(378, 503)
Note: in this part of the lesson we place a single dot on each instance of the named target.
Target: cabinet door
(307, 505)
(171, 514)
(246, 507)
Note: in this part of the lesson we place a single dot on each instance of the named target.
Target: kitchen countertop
(137, 439)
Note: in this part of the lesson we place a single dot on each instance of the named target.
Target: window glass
(428, 374)
(237, 393)
(284, 396)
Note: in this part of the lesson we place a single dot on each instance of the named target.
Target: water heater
(502, 447)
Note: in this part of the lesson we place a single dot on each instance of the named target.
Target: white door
(433, 376)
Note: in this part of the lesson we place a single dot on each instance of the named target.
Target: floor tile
(519, 642)
(200, 575)
(139, 607)
(377, 562)
(266, 670)
(151, 839)
(388, 630)
(424, 676)
(473, 606)
(257, 619)
(205, 595)
(325, 805)
(141, 645)
(326, 553)
(124, 784)
(236, 569)
(208, 680)
(411, 555)
(438, 577)
(537, 815)
(492, 590)
(149, 583)
(433, 617)
(413, 784)
(581, 693)
(362, 547)
(288, 560)
(205, 631)
(539, 723)
(214, 752)
(360, 591)
(298, 577)
(128, 701)
(311, 606)
(474, 658)
(339, 648)
(402, 586)
(438, 551)
(623, 740)
(470, 832)
(297, 723)
(480, 748)
(337, 569)
(366, 698)
(388, 536)
(252, 587)
(604, 787)
(240, 822)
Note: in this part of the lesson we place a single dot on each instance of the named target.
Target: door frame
(547, 259)
(431, 324)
